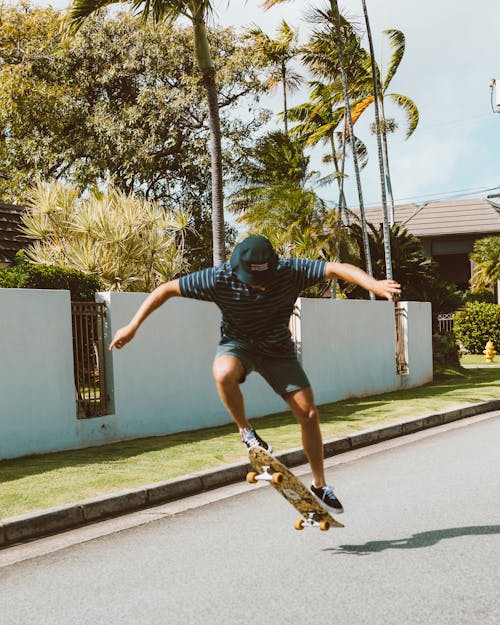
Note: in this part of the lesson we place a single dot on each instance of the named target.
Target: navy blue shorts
(283, 373)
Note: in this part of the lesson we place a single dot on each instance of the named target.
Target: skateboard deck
(291, 488)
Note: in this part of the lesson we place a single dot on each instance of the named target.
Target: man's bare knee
(227, 370)
(307, 416)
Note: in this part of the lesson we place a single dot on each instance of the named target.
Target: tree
(318, 121)
(277, 55)
(119, 101)
(387, 239)
(366, 98)
(417, 274)
(196, 11)
(340, 31)
(275, 198)
(486, 256)
(129, 243)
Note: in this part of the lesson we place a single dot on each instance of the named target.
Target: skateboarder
(256, 292)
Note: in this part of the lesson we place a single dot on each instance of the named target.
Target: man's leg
(228, 372)
(303, 407)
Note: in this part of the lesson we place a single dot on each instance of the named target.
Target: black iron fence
(89, 352)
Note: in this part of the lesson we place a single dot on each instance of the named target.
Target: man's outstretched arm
(387, 289)
(153, 301)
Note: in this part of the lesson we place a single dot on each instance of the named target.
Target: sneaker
(252, 439)
(328, 498)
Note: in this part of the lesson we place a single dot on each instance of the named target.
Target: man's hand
(123, 336)
(153, 301)
(388, 289)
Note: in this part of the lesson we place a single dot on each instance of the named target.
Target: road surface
(421, 546)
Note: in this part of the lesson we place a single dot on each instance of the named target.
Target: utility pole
(495, 107)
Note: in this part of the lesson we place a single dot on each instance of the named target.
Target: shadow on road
(417, 541)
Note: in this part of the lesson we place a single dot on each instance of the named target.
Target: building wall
(161, 382)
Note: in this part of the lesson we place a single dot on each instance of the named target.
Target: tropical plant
(372, 83)
(383, 194)
(331, 62)
(129, 243)
(123, 100)
(278, 54)
(25, 275)
(477, 324)
(486, 256)
(317, 121)
(276, 199)
(273, 185)
(197, 12)
(417, 274)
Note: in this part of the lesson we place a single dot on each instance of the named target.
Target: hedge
(24, 275)
(477, 324)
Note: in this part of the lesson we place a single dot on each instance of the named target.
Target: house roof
(451, 217)
(11, 238)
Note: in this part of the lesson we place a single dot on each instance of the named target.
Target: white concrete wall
(162, 379)
(37, 392)
(349, 347)
(161, 382)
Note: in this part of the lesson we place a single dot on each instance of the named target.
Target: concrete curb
(28, 527)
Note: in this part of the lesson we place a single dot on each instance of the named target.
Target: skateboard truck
(323, 525)
(266, 476)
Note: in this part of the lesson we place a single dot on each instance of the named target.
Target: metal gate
(89, 350)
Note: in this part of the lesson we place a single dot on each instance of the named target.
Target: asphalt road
(421, 546)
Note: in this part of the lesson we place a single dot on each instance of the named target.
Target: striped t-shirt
(258, 320)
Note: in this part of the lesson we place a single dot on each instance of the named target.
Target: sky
(452, 54)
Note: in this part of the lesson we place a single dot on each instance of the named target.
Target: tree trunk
(387, 232)
(338, 43)
(392, 215)
(285, 102)
(207, 68)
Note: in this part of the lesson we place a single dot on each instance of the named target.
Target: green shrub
(477, 324)
(24, 275)
(445, 350)
(482, 295)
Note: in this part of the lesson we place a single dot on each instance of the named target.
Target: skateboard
(268, 469)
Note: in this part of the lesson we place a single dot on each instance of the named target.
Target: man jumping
(256, 293)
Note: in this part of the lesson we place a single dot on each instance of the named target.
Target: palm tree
(197, 12)
(276, 199)
(397, 42)
(340, 31)
(278, 53)
(375, 80)
(318, 121)
(486, 255)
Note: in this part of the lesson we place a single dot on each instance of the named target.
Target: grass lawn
(40, 482)
(478, 359)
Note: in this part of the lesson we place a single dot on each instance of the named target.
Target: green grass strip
(43, 481)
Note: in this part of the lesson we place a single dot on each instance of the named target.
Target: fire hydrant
(489, 352)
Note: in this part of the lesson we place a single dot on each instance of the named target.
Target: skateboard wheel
(299, 524)
(251, 477)
(277, 478)
(324, 526)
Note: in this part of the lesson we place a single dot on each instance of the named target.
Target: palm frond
(397, 41)
(80, 10)
(410, 108)
(360, 107)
